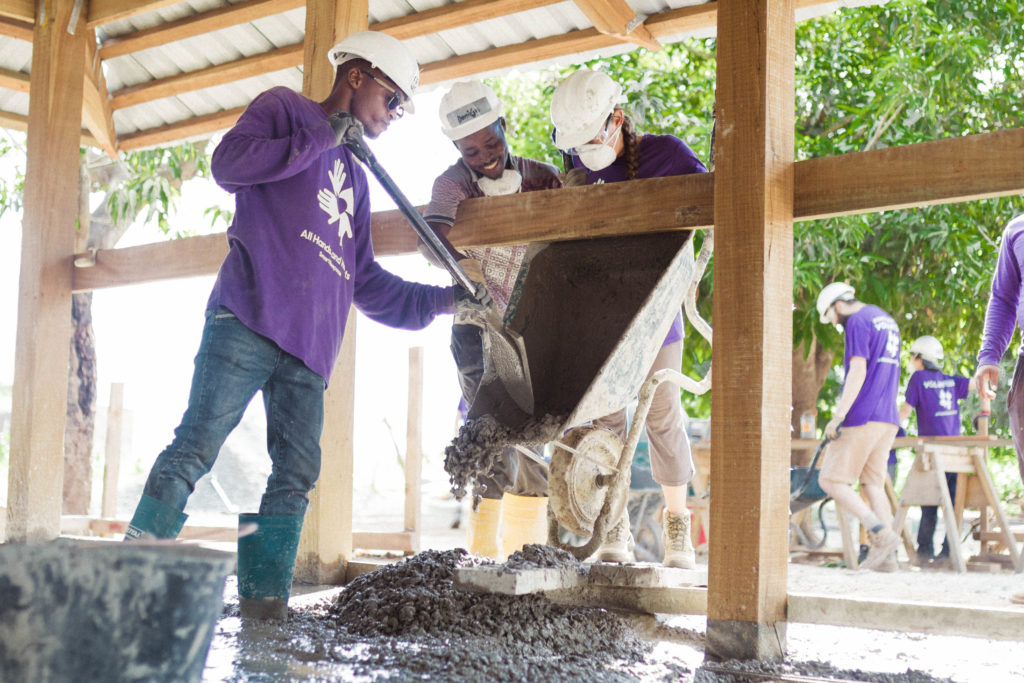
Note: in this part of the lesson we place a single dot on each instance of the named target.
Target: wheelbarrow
(804, 491)
(593, 315)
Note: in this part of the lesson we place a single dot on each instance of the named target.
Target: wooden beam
(266, 62)
(180, 130)
(16, 28)
(19, 122)
(414, 447)
(96, 113)
(752, 309)
(198, 24)
(19, 10)
(326, 543)
(952, 170)
(106, 11)
(683, 20)
(616, 18)
(189, 257)
(36, 474)
(14, 80)
(454, 15)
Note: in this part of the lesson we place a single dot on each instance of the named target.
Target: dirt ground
(533, 642)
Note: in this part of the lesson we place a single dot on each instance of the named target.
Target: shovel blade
(505, 363)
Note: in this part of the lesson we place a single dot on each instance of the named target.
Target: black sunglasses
(395, 100)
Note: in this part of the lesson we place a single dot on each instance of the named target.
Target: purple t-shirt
(872, 334)
(299, 245)
(1004, 306)
(935, 397)
(659, 156)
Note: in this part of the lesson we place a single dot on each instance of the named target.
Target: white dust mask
(508, 183)
(599, 155)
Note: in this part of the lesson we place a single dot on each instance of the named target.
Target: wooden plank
(326, 543)
(198, 24)
(96, 112)
(19, 122)
(180, 130)
(414, 446)
(266, 62)
(187, 257)
(618, 19)
(106, 11)
(454, 15)
(36, 474)
(753, 284)
(14, 80)
(401, 541)
(112, 450)
(887, 615)
(16, 28)
(957, 169)
(20, 10)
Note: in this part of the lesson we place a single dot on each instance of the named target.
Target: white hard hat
(383, 52)
(831, 294)
(468, 107)
(580, 106)
(929, 348)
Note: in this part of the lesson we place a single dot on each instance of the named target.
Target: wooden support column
(753, 299)
(112, 451)
(326, 543)
(44, 297)
(414, 447)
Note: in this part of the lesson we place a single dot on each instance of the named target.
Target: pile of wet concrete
(456, 634)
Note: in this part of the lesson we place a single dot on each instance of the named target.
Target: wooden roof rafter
(616, 18)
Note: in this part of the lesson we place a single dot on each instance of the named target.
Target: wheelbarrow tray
(593, 315)
(802, 496)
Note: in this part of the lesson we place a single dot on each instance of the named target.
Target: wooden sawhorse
(926, 485)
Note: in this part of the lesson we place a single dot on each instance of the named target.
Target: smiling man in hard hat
(299, 257)
(864, 423)
(935, 397)
(512, 510)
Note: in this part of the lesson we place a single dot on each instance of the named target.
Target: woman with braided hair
(597, 136)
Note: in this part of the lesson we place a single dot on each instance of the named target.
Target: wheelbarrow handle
(353, 139)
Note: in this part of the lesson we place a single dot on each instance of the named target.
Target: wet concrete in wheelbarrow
(408, 622)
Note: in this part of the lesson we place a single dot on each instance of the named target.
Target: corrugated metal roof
(262, 35)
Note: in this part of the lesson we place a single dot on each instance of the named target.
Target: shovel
(504, 350)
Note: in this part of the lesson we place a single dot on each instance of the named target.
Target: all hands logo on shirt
(336, 201)
(892, 342)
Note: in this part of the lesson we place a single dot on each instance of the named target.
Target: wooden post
(753, 285)
(36, 476)
(326, 543)
(112, 451)
(414, 446)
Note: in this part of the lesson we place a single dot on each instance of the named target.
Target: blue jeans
(234, 363)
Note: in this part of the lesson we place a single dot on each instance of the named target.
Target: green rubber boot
(154, 519)
(266, 560)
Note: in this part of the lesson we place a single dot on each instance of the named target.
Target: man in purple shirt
(299, 257)
(867, 415)
(935, 397)
(1005, 312)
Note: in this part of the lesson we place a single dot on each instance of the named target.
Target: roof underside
(184, 70)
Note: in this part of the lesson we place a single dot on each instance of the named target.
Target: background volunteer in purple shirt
(512, 509)
(1004, 313)
(867, 415)
(935, 398)
(595, 134)
(299, 256)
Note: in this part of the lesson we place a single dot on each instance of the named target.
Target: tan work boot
(482, 530)
(618, 543)
(675, 536)
(883, 544)
(524, 519)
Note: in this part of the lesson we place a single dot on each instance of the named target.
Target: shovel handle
(353, 139)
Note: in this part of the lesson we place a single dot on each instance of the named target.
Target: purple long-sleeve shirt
(660, 156)
(1004, 305)
(299, 246)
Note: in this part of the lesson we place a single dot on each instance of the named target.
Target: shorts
(860, 452)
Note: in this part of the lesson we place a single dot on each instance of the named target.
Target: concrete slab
(505, 581)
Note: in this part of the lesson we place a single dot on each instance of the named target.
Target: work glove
(470, 307)
(574, 177)
(345, 127)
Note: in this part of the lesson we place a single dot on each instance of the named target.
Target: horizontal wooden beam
(888, 615)
(945, 171)
(19, 122)
(454, 15)
(106, 11)
(16, 28)
(181, 130)
(266, 62)
(14, 80)
(617, 18)
(198, 24)
(939, 172)
(22, 10)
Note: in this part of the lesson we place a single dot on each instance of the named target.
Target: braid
(631, 148)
